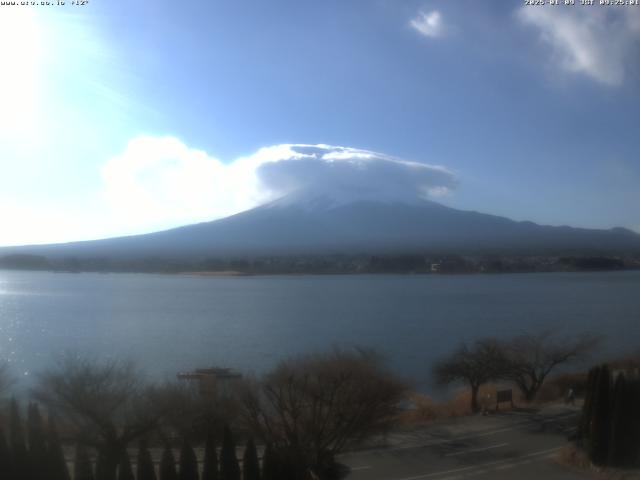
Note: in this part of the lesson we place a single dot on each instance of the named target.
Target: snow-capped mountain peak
(317, 201)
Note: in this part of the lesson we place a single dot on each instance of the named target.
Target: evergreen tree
(624, 447)
(250, 465)
(289, 466)
(37, 442)
(82, 469)
(210, 467)
(17, 446)
(103, 472)
(56, 463)
(600, 433)
(5, 458)
(168, 465)
(618, 422)
(584, 428)
(145, 470)
(188, 462)
(229, 468)
(125, 472)
(270, 465)
(633, 407)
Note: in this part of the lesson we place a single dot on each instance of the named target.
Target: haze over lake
(170, 323)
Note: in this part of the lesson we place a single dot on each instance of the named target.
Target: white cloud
(596, 42)
(160, 182)
(341, 172)
(428, 24)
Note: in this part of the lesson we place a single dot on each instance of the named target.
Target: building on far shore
(212, 381)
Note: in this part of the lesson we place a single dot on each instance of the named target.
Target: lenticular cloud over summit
(161, 182)
(349, 173)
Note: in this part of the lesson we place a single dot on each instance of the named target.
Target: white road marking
(456, 439)
(473, 450)
(482, 471)
(480, 466)
(443, 441)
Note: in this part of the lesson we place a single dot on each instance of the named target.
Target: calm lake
(170, 323)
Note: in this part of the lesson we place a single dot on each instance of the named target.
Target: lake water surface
(170, 323)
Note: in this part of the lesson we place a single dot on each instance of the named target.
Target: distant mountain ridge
(317, 224)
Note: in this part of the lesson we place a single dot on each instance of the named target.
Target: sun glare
(19, 57)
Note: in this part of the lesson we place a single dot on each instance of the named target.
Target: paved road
(510, 445)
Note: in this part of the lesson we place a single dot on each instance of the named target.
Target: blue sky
(126, 117)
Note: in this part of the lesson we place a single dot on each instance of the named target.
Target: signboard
(504, 396)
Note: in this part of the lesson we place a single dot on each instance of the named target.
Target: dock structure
(211, 381)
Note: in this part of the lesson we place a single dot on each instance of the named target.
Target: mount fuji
(316, 223)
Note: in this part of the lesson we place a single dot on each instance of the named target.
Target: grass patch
(426, 409)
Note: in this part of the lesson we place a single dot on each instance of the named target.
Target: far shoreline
(211, 273)
(240, 274)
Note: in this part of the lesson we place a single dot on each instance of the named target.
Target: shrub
(229, 468)
(250, 465)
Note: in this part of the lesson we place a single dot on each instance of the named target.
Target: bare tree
(6, 380)
(187, 411)
(104, 402)
(530, 358)
(309, 408)
(475, 365)
(183, 407)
